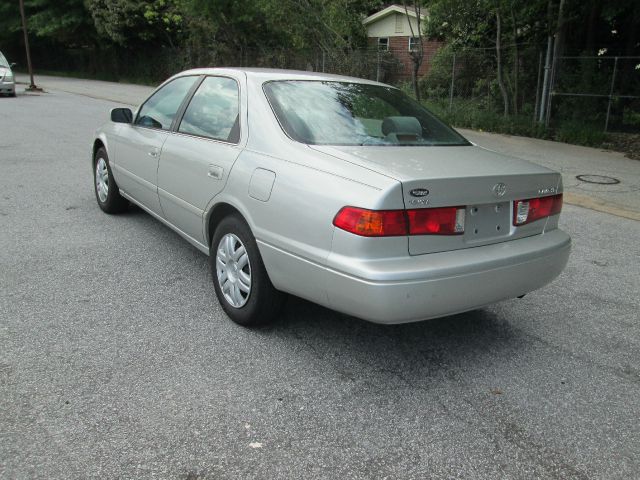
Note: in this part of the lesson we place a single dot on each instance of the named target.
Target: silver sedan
(339, 190)
(7, 81)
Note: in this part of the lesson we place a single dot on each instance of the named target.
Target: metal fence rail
(623, 85)
(602, 91)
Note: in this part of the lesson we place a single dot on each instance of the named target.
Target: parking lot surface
(116, 360)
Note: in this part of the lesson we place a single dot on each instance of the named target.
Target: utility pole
(32, 86)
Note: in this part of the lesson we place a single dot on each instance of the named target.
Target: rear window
(343, 113)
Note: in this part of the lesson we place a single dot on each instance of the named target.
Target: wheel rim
(102, 179)
(233, 270)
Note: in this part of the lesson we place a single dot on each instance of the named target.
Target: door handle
(215, 171)
(154, 152)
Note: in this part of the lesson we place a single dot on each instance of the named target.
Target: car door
(197, 158)
(139, 145)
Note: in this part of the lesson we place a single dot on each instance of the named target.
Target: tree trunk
(503, 90)
(592, 25)
(414, 79)
(32, 84)
(516, 62)
(416, 56)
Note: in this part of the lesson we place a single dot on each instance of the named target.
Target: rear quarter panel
(294, 227)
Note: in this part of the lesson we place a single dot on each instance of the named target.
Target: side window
(213, 111)
(159, 110)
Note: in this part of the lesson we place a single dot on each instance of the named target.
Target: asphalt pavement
(116, 360)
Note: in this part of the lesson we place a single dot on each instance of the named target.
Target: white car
(7, 81)
(339, 190)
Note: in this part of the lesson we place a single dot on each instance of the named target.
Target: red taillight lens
(436, 221)
(388, 223)
(532, 209)
(372, 223)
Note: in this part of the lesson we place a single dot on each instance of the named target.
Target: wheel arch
(216, 214)
(98, 142)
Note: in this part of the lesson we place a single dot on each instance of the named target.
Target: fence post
(613, 81)
(323, 59)
(453, 77)
(536, 108)
(545, 82)
(378, 65)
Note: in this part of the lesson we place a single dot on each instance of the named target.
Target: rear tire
(240, 279)
(104, 185)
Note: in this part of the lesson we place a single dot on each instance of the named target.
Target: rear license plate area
(487, 221)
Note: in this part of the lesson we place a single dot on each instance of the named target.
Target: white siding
(386, 26)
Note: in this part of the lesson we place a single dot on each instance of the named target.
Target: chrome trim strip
(133, 176)
(186, 205)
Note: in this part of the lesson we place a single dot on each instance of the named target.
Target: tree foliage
(204, 32)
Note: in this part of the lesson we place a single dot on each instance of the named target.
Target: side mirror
(121, 115)
(13, 65)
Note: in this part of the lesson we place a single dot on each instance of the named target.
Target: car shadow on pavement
(406, 355)
(401, 354)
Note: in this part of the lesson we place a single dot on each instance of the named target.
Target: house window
(413, 43)
(383, 43)
(399, 23)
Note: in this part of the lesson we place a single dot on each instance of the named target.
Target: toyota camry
(339, 190)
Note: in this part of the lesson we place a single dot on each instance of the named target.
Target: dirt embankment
(628, 143)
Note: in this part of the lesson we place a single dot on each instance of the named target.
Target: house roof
(388, 11)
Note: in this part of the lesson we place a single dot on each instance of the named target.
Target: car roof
(270, 74)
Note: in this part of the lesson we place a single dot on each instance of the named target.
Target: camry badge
(419, 192)
(499, 189)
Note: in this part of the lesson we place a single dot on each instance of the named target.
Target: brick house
(389, 30)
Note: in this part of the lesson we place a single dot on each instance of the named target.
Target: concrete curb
(599, 206)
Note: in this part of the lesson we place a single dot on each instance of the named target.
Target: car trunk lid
(485, 183)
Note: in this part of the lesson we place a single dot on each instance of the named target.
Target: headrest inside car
(401, 126)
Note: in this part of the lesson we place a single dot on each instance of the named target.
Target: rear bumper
(434, 285)
(7, 87)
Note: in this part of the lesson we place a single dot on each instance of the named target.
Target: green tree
(131, 23)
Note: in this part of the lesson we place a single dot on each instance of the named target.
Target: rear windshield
(343, 113)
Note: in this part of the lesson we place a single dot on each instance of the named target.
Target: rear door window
(213, 111)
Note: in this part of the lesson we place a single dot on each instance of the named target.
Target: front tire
(105, 187)
(240, 279)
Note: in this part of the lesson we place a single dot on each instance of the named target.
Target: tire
(110, 201)
(230, 268)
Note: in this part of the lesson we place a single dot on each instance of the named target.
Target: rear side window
(213, 111)
(161, 108)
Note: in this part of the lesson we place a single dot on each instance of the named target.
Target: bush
(474, 114)
(580, 134)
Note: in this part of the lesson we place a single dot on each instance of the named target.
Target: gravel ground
(117, 362)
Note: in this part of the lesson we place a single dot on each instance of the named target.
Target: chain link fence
(601, 93)
(464, 86)
(604, 91)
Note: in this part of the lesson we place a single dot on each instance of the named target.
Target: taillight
(371, 223)
(532, 209)
(436, 221)
(388, 223)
